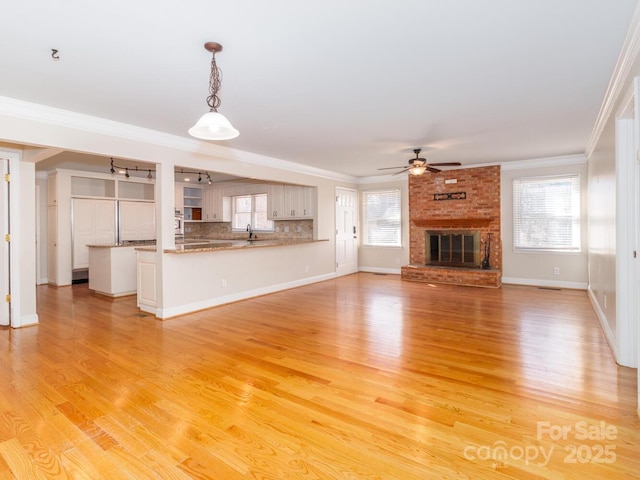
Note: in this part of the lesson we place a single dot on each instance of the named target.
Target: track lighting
(127, 171)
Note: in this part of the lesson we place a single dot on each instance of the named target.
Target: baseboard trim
(166, 313)
(606, 329)
(535, 282)
(393, 271)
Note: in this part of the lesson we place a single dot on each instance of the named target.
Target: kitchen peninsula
(207, 273)
(113, 270)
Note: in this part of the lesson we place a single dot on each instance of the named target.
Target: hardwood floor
(362, 377)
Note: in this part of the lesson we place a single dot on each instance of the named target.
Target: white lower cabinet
(147, 292)
(112, 270)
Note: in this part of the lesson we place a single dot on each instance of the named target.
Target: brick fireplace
(462, 208)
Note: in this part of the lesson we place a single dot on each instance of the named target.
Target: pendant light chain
(215, 80)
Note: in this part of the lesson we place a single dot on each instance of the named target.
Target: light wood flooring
(362, 377)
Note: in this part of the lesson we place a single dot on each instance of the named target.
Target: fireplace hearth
(453, 248)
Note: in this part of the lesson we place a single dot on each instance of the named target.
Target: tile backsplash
(302, 229)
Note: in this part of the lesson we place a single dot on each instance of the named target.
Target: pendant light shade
(213, 125)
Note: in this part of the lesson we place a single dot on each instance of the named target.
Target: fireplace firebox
(453, 249)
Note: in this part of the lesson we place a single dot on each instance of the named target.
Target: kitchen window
(381, 218)
(546, 213)
(251, 210)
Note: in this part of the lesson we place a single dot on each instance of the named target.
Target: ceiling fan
(417, 166)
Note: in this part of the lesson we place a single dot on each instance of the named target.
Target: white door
(346, 231)
(5, 318)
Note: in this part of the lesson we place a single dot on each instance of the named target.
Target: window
(381, 214)
(251, 209)
(546, 213)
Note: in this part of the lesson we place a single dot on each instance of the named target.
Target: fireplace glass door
(454, 249)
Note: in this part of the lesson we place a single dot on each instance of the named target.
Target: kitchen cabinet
(192, 199)
(179, 198)
(216, 207)
(288, 202)
(136, 190)
(112, 270)
(137, 220)
(94, 222)
(92, 187)
(147, 299)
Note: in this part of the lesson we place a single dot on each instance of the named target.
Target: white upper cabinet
(275, 202)
(216, 207)
(192, 200)
(178, 198)
(288, 202)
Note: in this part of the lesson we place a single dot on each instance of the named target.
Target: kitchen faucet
(250, 230)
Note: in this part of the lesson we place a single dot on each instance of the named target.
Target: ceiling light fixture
(126, 171)
(213, 125)
(418, 169)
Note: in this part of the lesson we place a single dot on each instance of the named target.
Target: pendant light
(213, 125)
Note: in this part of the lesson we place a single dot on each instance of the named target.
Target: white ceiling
(343, 85)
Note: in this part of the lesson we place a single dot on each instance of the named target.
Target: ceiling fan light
(213, 126)
(418, 170)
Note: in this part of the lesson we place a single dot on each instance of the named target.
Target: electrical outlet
(556, 270)
(286, 229)
(224, 283)
(306, 268)
(605, 301)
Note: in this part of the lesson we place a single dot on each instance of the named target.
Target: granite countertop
(126, 243)
(211, 245)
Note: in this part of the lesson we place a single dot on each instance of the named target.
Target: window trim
(577, 220)
(253, 203)
(364, 205)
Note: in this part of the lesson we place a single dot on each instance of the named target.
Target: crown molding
(87, 123)
(580, 159)
(617, 83)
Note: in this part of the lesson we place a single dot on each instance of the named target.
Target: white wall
(537, 268)
(385, 259)
(602, 229)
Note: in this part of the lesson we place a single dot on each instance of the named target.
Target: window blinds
(546, 213)
(381, 217)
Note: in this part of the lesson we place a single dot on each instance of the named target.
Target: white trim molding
(536, 282)
(615, 89)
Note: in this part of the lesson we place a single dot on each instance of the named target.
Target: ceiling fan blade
(402, 171)
(446, 164)
(390, 168)
(433, 170)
